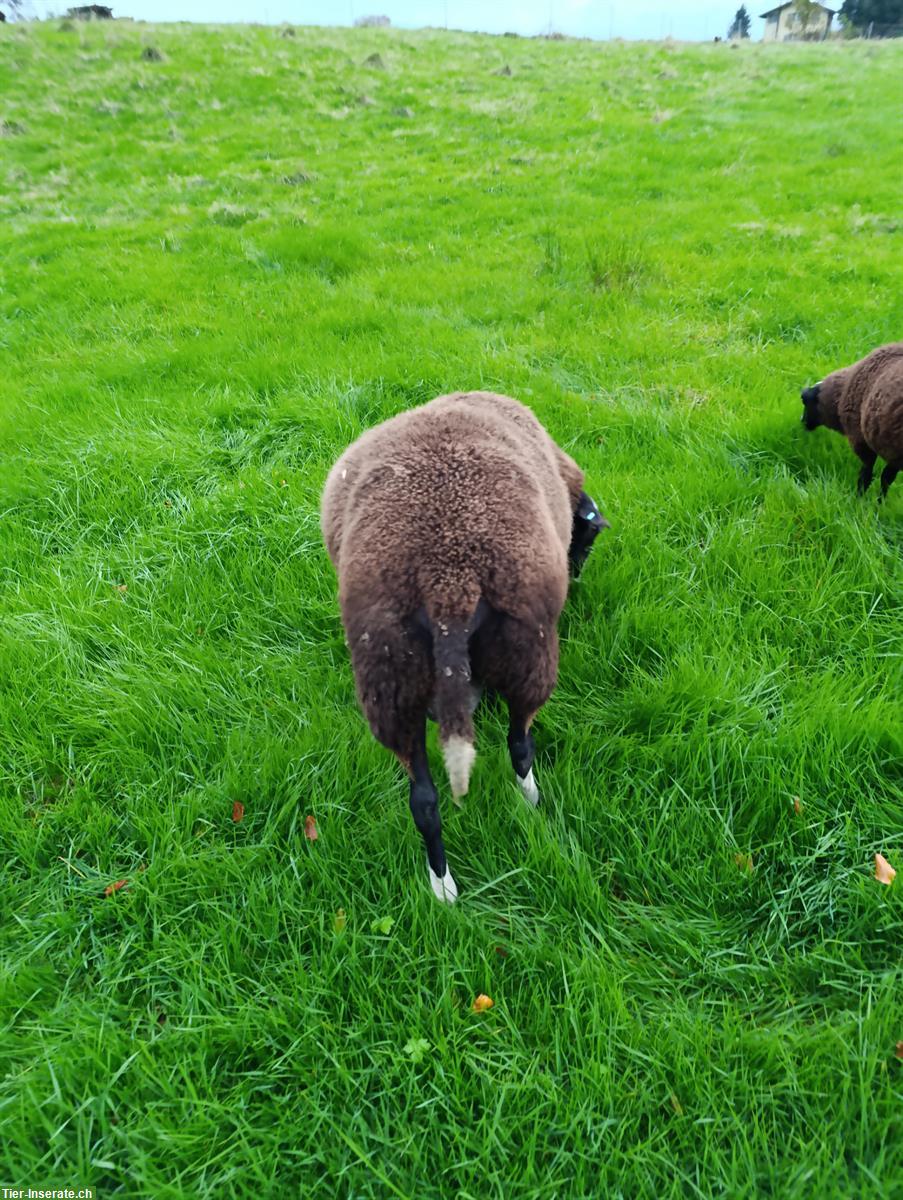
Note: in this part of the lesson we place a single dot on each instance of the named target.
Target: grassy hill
(223, 253)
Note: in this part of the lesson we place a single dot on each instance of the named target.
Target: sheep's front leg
(425, 811)
(522, 749)
(889, 474)
(868, 457)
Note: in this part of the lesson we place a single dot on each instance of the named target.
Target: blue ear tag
(590, 516)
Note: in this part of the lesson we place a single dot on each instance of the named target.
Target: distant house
(783, 24)
(91, 12)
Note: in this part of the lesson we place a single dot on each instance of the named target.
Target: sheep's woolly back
(868, 400)
(466, 496)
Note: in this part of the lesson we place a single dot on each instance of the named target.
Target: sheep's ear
(588, 522)
(587, 513)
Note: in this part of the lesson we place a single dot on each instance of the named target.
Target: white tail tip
(459, 755)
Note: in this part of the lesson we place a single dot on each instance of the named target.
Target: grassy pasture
(218, 266)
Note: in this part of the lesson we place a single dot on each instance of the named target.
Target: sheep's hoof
(444, 887)
(528, 786)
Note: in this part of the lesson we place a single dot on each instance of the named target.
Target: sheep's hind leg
(522, 749)
(868, 457)
(519, 660)
(425, 811)
(889, 474)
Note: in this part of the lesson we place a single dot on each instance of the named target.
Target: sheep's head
(588, 522)
(820, 402)
(809, 397)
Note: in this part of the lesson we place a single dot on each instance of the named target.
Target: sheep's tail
(454, 698)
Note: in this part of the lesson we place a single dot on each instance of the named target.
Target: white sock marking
(444, 887)
(529, 788)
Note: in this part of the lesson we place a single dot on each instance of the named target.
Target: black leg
(425, 811)
(521, 746)
(889, 474)
(868, 465)
(522, 749)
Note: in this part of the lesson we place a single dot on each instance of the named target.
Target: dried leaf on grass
(884, 872)
(482, 1003)
(238, 811)
(310, 829)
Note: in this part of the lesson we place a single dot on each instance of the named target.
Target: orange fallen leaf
(744, 861)
(899, 1050)
(115, 887)
(797, 805)
(884, 872)
(310, 829)
(482, 1003)
(238, 811)
(122, 587)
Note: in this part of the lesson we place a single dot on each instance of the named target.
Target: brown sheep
(451, 528)
(864, 402)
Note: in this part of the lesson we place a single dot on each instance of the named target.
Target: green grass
(215, 271)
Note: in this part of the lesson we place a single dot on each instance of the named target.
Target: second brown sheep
(864, 402)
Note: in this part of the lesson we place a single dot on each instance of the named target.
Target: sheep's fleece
(466, 496)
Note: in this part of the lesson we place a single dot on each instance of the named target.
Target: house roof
(781, 7)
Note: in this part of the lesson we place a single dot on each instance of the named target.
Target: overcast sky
(685, 19)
